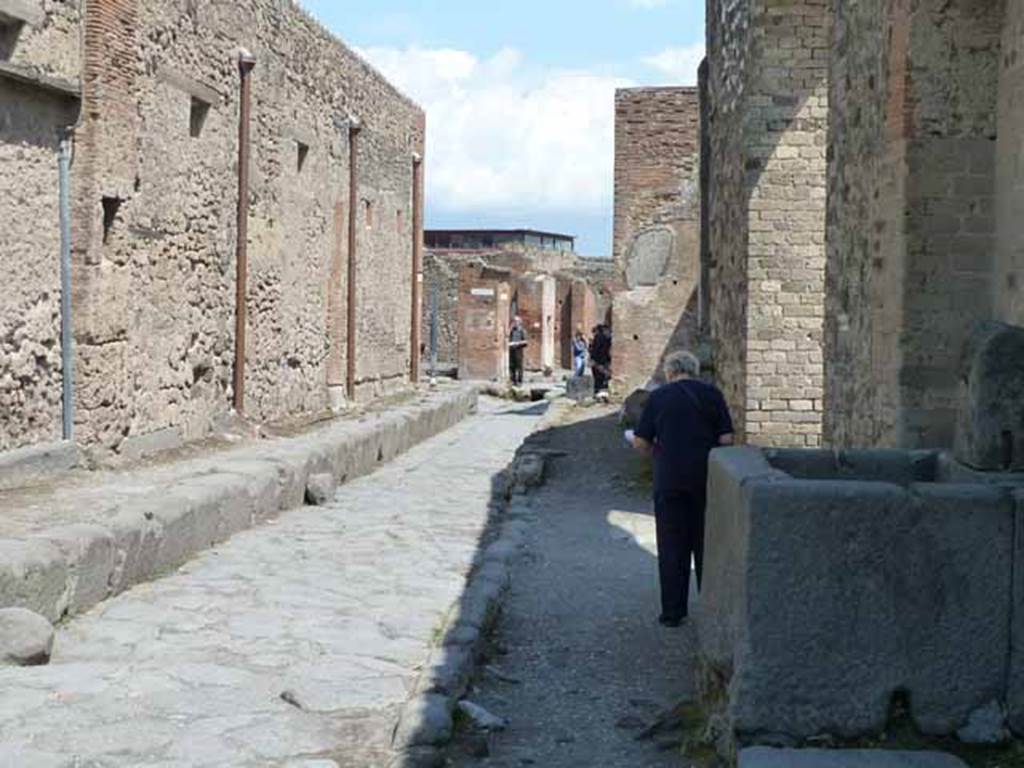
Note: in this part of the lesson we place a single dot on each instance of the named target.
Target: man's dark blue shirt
(684, 421)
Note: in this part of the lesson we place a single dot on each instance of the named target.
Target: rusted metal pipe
(246, 63)
(416, 334)
(353, 221)
(66, 337)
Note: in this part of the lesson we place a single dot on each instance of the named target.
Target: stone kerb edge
(425, 723)
(69, 569)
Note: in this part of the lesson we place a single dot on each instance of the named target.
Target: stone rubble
(986, 725)
(26, 638)
(320, 489)
(481, 717)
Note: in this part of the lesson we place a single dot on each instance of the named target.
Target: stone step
(767, 757)
(94, 542)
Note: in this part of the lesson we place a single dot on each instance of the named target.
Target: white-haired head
(682, 364)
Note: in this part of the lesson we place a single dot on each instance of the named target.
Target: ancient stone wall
(483, 318)
(441, 306)
(866, 236)
(32, 121)
(768, 114)
(1009, 277)
(155, 231)
(911, 214)
(656, 241)
(728, 54)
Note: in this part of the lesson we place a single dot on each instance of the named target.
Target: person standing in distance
(517, 342)
(579, 352)
(683, 421)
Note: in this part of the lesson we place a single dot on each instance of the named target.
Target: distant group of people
(598, 350)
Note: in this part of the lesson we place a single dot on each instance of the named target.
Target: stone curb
(34, 463)
(425, 724)
(67, 570)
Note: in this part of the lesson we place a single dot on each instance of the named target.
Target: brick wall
(768, 102)
(155, 192)
(483, 318)
(656, 242)
(912, 214)
(726, 219)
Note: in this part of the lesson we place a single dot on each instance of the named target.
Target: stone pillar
(768, 114)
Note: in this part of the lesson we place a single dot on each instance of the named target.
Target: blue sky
(519, 97)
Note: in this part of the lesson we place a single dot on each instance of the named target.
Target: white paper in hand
(630, 436)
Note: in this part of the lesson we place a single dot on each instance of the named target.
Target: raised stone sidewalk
(68, 546)
(296, 643)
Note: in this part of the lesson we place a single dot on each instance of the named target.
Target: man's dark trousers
(679, 517)
(516, 365)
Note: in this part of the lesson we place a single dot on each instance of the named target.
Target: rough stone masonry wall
(31, 123)
(656, 243)
(155, 281)
(768, 87)
(866, 233)
(441, 306)
(912, 219)
(1009, 278)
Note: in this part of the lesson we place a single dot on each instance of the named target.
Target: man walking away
(683, 421)
(517, 342)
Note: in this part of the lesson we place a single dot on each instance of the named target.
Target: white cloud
(501, 138)
(677, 65)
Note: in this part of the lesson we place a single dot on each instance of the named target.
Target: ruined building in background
(544, 281)
(150, 97)
(657, 237)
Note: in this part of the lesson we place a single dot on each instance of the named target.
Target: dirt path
(579, 632)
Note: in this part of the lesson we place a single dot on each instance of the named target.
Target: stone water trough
(834, 580)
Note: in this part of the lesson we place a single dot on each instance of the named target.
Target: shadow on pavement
(577, 632)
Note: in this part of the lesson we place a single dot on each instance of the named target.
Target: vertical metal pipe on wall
(416, 329)
(66, 340)
(246, 63)
(353, 220)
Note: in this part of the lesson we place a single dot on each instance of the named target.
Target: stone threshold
(190, 506)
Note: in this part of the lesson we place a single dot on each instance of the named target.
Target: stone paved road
(333, 607)
(579, 629)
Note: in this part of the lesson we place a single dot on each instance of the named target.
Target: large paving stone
(765, 757)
